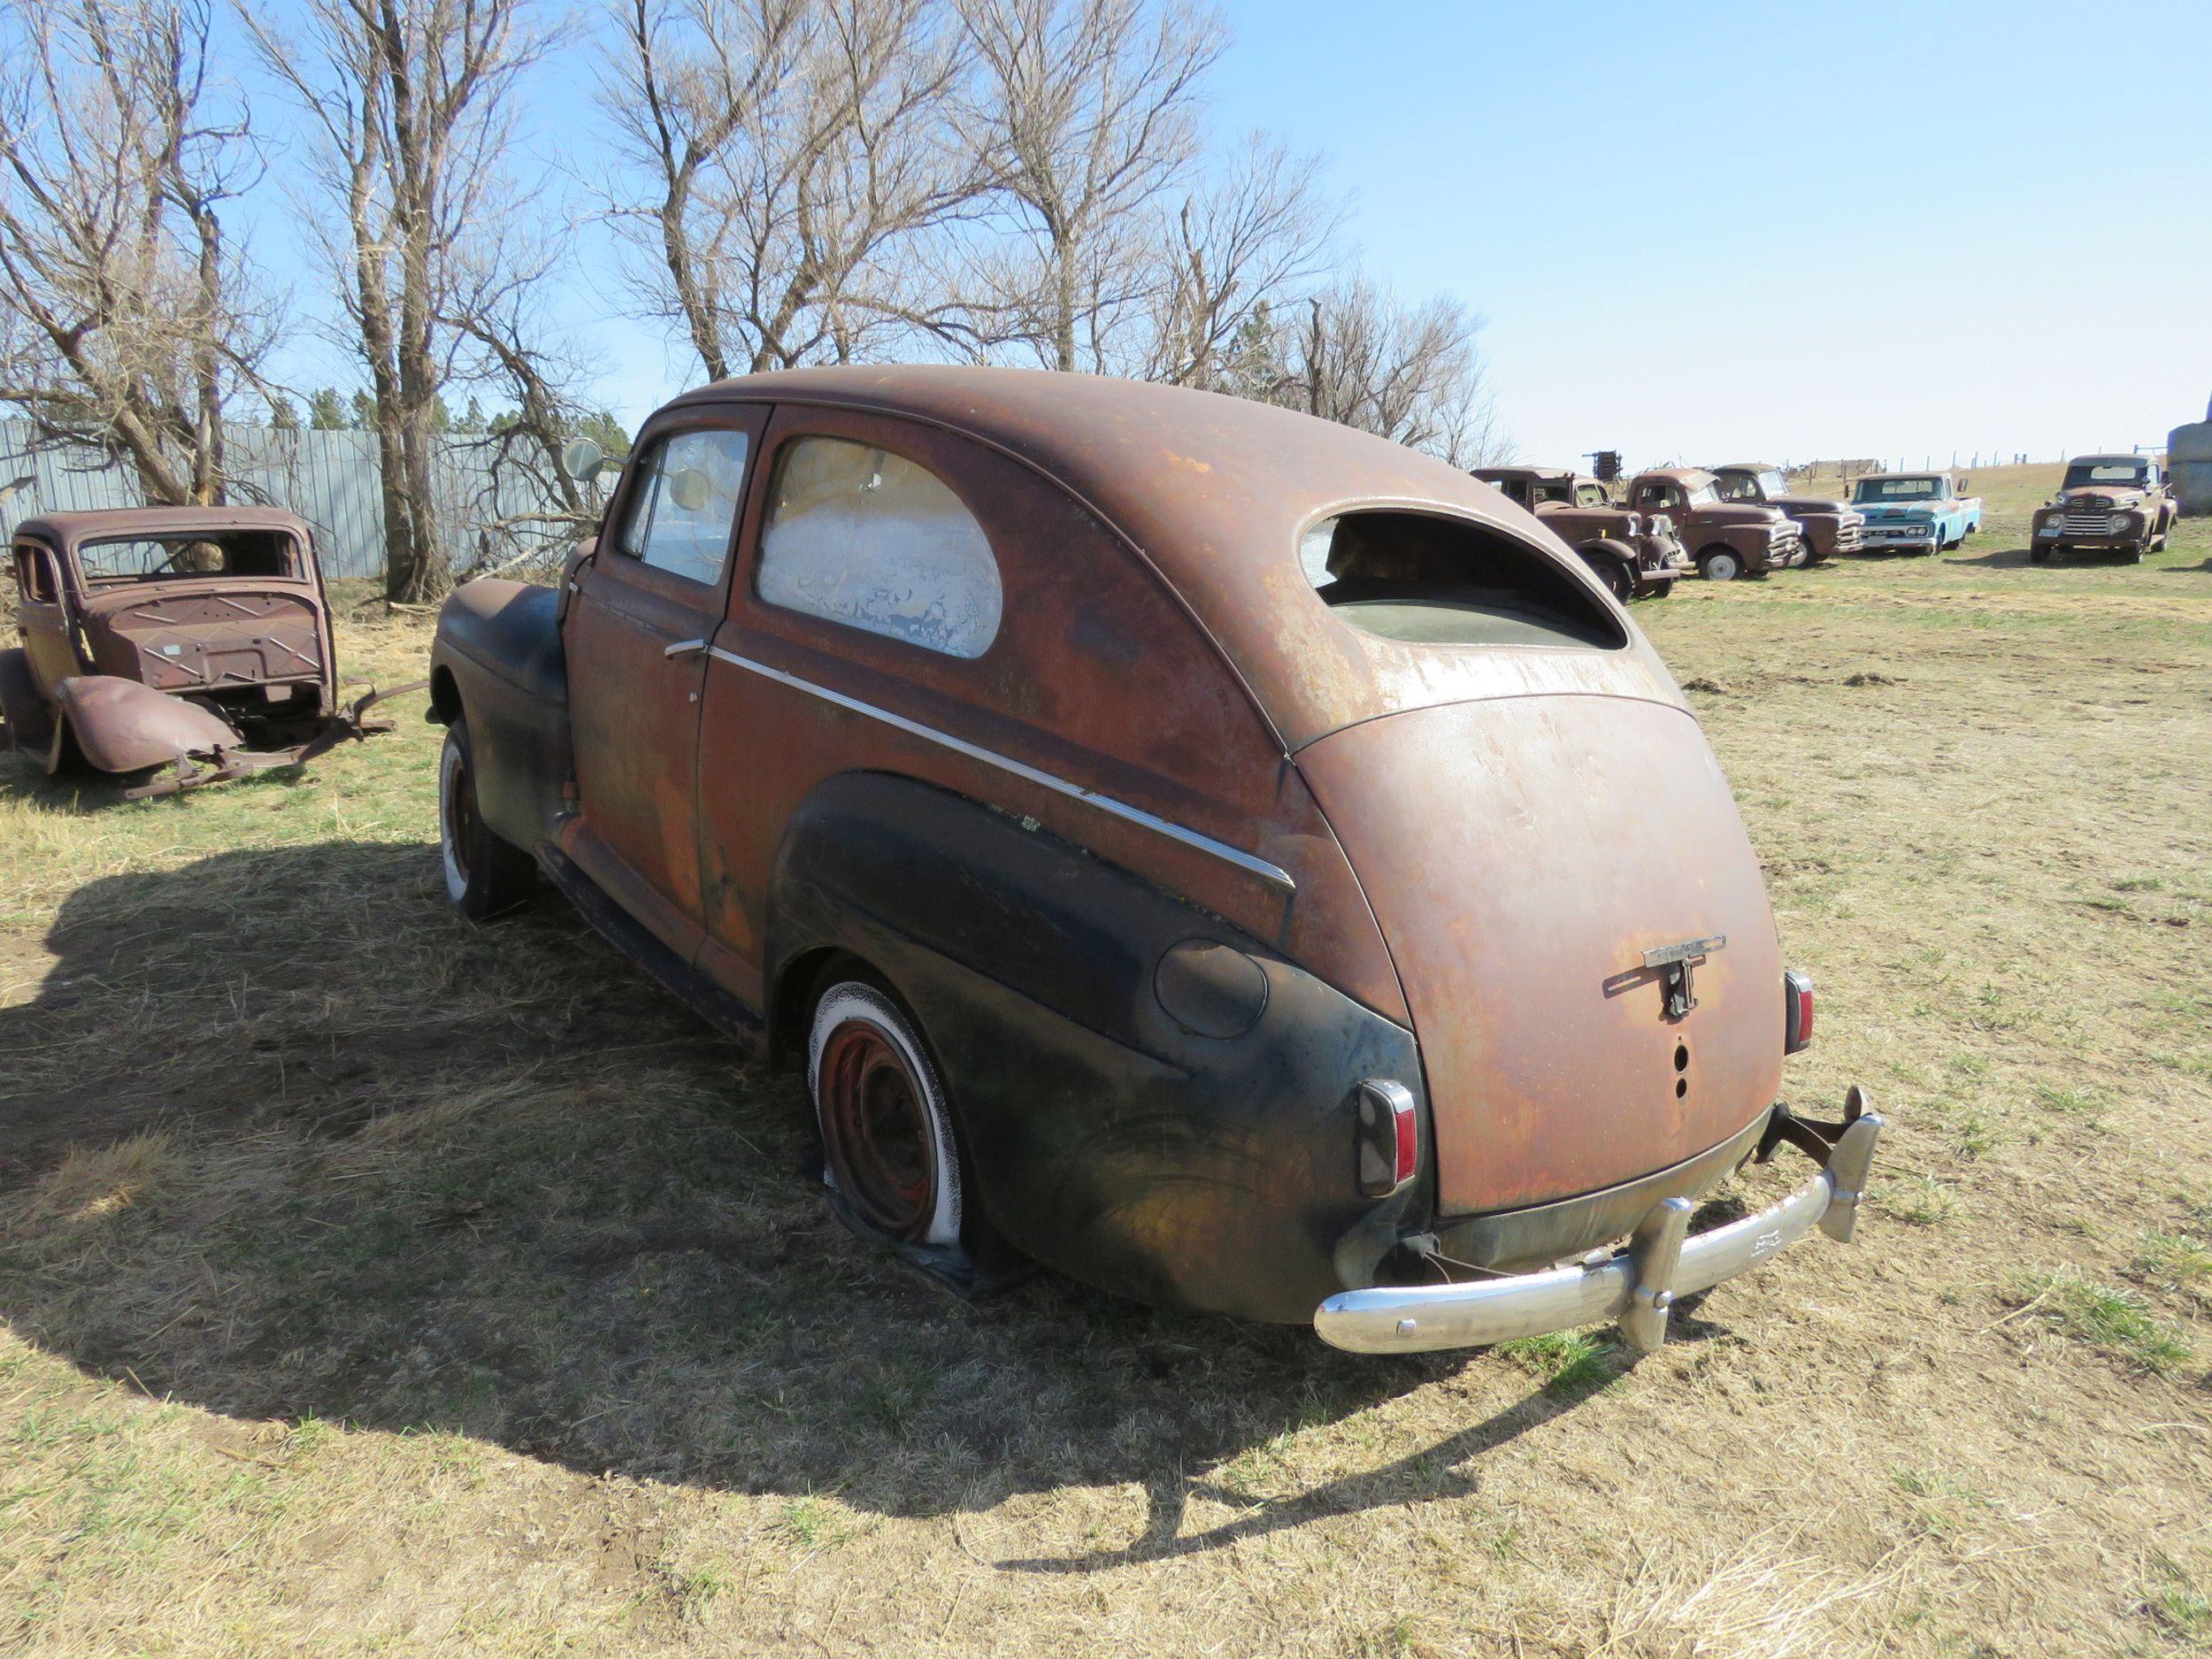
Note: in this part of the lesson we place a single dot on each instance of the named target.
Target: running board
(720, 1010)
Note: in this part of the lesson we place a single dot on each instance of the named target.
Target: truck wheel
(888, 1150)
(1616, 576)
(2039, 555)
(484, 875)
(1719, 564)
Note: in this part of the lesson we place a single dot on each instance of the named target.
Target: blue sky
(1714, 231)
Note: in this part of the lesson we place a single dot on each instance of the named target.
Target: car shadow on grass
(289, 1140)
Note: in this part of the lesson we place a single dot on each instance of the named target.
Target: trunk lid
(1528, 851)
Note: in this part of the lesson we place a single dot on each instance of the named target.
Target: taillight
(1389, 1136)
(1797, 1010)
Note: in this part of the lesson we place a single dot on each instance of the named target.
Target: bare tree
(125, 321)
(792, 158)
(414, 104)
(1239, 241)
(1088, 108)
(1411, 373)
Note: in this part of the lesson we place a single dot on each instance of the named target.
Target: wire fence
(330, 478)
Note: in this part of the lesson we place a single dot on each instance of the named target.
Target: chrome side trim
(1274, 874)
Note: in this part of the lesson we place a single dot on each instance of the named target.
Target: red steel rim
(875, 1130)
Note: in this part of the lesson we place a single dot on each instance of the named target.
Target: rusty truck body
(1634, 557)
(1201, 849)
(2106, 503)
(196, 639)
(1829, 527)
(1727, 540)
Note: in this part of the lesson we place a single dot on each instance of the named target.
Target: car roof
(1679, 474)
(66, 531)
(1212, 491)
(1486, 472)
(1938, 472)
(1744, 467)
(2077, 460)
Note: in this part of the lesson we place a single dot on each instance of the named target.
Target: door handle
(685, 647)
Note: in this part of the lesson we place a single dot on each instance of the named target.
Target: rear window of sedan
(1429, 579)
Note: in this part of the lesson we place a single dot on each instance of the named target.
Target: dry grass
(373, 1284)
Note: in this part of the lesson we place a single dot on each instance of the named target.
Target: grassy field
(372, 1284)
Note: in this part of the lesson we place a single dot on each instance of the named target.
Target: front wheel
(484, 875)
(1616, 577)
(888, 1150)
(1719, 564)
(2038, 556)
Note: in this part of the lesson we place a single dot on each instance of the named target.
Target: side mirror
(582, 459)
(1962, 484)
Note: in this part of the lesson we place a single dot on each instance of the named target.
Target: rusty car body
(1726, 540)
(1829, 527)
(1194, 846)
(1634, 557)
(2106, 503)
(197, 638)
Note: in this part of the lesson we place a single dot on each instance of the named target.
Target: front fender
(122, 725)
(1102, 1135)
(498, 661)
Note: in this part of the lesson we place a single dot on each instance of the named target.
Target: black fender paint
(1099, 1135)
(497, 658)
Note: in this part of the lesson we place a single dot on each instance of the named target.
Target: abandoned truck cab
(1829, 527)
(2106, 503)
(1632, 556)
(1202, 848)
(196, 638)
(1727, 540)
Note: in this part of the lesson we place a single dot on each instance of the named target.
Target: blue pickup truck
(1917, 512)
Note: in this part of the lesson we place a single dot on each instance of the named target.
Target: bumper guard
(1638, 1284)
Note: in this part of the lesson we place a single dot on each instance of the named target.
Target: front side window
(686, 504)
(34, 576)
(861, 536)
(1736, 487)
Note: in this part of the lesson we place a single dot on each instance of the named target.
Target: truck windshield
(1429, 579)
(1703, 495)
(1879, 489)
(169, 559)
(2083, 473)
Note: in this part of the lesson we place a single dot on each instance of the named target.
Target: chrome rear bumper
(1636, 1285)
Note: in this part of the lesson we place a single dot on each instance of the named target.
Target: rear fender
(122, 725)
(1212, 1170)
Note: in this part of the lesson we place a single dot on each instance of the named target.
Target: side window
(680, 518)
(34, 576)
(861, 536)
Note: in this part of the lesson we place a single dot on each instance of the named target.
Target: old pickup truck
(1633, 557)
(1726, 540)
(1917, 511)
(2106, 503)
(194, 642)
(1829, 526)
(1197, 847)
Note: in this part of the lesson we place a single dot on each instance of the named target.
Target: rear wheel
(1719, 564)
(484, 875)
(888, 1150)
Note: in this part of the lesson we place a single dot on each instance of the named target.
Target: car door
(641, 613)
(43, 617)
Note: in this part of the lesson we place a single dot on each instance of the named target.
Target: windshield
(1880, 489)
(1703, 495)
(169, 559)
(1772, 484)
(2129, 472)
(1592, 495)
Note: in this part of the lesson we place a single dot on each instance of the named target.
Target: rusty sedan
(1195, 847)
